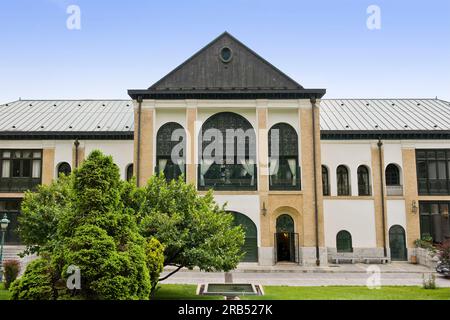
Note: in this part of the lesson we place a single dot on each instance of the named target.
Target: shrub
(429, 282)
(426, 242)
(36, 283)
(154, 252)
(11, 271)
(444, 251)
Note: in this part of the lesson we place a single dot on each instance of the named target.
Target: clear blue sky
(131, 44)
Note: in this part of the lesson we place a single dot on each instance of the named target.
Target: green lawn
(4, 294)
(187, 292)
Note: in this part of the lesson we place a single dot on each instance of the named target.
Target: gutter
(138, 164)
(383, 209)
(316, 208)
(76, 144)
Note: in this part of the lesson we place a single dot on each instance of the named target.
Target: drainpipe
(138, 164)
(76, 144)
(383, 209)
(316, 208)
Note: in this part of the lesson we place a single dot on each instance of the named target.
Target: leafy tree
(41, 212)
(90, 228)
(193, 229)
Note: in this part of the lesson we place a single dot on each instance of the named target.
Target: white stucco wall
(396, 213)
(355, 216)
(246, 204)
(352, 155)
(120, 150)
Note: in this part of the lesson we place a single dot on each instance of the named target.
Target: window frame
(349, 242)
(388, 175)
(364, 186)
(436, 185)
(340, 188)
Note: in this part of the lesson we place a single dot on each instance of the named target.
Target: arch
(325, 181)
(393, 175)
(129, 172)
(64, 168)
(166, 148)
(343, 181)
(364, 181)
(285, 223)
(283, 157)
(286, 239)
(228, 153)
(397, 243)
(250, 247)
(344, 242)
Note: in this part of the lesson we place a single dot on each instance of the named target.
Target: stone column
(145, 160)
(308, 251)
(266, 249)
(191, 143)
(380, 230)
(411, 192)
(48, 165)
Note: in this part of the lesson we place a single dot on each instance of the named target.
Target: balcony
(19, 184)
(394, 190)
(227, 177)
(283, 179)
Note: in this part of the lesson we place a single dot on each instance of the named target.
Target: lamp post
(3, 227)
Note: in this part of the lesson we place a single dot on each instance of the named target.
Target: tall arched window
(392, 175)
(283, 158)
(64, 168)
(363, 181)
(170, 151)
(228, 158)
(325, 181)
(129, 172)
(344, 242)
(343, 181)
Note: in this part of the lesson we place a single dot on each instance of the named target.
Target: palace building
(355, 179)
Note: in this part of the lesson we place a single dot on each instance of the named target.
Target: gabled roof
(246, 75)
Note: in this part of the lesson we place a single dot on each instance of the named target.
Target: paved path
(348, 275)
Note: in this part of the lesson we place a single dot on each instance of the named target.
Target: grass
(187, 292)
(4, 294)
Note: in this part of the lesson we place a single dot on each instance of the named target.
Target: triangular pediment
(226, 64)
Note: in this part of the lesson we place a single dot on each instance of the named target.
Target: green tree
(93, 229)
(193, 229)
(41, 212)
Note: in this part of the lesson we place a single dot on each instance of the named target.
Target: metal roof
(67, 116)
(116, 116)
(384, 115)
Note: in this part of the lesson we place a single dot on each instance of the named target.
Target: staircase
(12, 253)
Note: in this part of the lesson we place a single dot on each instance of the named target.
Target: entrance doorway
(286, 240)
(397, 243)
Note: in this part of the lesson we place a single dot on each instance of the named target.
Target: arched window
(325, 181)
(129, 172)
(392, 175)
(171, 141)
(283, 158)
(363, 181)
(250, 247)
(343, 182)
(344, 241)
(228, 158)
(64, 168)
